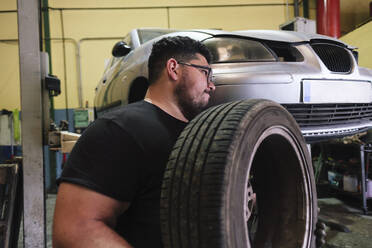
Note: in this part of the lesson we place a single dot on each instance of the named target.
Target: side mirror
(121, 49)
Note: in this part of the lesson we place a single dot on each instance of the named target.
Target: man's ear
(173, 69)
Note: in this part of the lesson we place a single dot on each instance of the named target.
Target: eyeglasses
(205, 69)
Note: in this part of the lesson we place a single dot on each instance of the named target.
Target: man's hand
(85, 218)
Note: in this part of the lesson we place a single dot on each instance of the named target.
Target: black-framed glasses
(205, 69)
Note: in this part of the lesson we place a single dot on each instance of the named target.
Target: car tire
(239, 175)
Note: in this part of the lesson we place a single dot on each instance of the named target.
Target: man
(109, 191)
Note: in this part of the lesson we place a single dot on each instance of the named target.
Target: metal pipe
(328, 17)
(78, 63)
(47, 46)
(296, 8)
(179, 6)
(11, 117)
(80, 81)
(363, 179)
(64, 64)
(321, 17)
(80, 76)
(306, 8)
(287, 10)
(168, 17)
(9, 40)
(8, 11)
(49, 112)
(334, 18)
(77, 45)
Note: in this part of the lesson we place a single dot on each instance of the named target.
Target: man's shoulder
(131, 115)
(142, 115)
(133, 110)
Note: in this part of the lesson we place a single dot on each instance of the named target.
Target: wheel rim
(251, 211)
(255, 221)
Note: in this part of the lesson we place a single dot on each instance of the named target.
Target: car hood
(287, 36)
(273, 35)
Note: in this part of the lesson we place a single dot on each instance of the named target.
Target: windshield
(149, 34)
(228, 49)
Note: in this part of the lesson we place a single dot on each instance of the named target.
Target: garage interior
(65, 46)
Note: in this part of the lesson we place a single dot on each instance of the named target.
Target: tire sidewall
(247, 139)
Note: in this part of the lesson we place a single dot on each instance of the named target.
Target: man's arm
(85, 218)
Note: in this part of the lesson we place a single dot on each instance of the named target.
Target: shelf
(346, 159)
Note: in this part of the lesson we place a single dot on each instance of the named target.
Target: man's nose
(211, 85)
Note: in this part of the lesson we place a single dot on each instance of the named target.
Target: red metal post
(321, 16)
(328, 17)
(334, 18)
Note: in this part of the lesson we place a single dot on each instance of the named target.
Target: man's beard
(187, 104)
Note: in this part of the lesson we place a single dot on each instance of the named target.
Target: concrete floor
(344, 211)
(51, 200)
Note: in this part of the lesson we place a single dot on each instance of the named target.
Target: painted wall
(80, 24)
(353, 13)
(362, 39)
(9, 63)
(84, 22)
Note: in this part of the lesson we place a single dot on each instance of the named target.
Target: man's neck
(148, 100)
(167, 105)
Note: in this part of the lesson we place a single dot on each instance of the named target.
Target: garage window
(230, 50)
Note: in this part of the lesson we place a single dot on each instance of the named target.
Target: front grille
(335, 58)
(312, 115)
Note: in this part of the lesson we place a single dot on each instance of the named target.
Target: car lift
(31, 75)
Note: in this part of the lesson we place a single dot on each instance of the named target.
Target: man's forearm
(85, 218)
(93, 234)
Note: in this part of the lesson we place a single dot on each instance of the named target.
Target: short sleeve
(105, 159)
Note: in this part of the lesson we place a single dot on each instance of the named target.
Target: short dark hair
(181, 48)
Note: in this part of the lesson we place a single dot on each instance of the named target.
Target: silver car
(316, 78)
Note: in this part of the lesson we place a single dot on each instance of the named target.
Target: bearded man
(109, 190)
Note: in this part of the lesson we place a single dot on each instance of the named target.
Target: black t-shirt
(123, 155)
